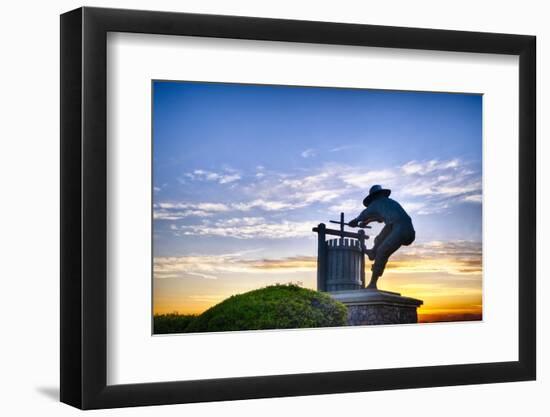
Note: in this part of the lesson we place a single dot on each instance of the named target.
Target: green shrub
(273, 307)
(171, 323)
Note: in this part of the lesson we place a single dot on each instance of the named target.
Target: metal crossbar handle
(347, 224)
(339, 233)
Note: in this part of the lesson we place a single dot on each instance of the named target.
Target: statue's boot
(372, 284)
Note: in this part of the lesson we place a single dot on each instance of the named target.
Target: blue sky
(242, 173)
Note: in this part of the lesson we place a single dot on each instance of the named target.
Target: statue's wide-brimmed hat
(375, 191)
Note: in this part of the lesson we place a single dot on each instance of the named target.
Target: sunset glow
(450, 285)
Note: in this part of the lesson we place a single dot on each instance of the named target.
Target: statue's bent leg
(383, 253)
(379, 240)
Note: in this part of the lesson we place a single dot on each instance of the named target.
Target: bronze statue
(398, 229)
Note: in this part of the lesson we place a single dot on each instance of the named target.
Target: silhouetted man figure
(398, 229)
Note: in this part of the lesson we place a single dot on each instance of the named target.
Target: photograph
(288, 207)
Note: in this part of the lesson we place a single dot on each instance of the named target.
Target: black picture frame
(84, 207)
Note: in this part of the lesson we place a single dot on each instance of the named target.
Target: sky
(241, 174)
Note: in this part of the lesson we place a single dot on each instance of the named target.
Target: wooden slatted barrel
(340, 262)
(344, 265)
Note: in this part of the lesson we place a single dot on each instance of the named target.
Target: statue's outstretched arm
(367, 216)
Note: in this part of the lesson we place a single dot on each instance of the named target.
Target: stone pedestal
(366, 307)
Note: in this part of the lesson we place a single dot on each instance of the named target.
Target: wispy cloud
(347, 206)
(423, 188)
(268, 205)
(179, 214)
(177, 211)
(308, 153)
(423, 168)
(342, 148)
(426, 187)
(473, 198)
(299, 190)
(294, 263)
(458, 258)
(247, 228)
(365, 179)
(215, 266)
(225, 177)
(214, 207)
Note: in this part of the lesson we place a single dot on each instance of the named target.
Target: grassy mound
(171, 323)
(273, 307)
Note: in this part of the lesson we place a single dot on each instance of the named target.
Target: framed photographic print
(258, 207)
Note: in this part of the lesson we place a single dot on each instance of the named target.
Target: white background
(133, 60)
(29, 213)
